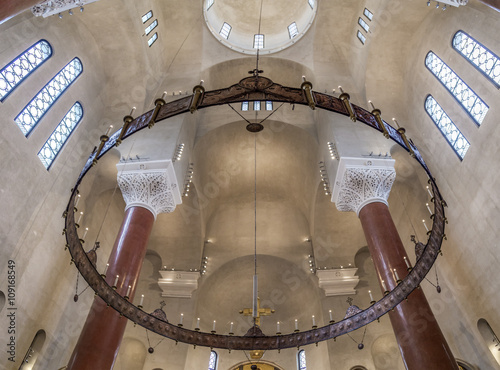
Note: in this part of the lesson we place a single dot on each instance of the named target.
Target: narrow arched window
(21, 67)
(449, 130)
(467, 98)
(47, 96)
(212, 363)
(56, 141)
(490, 338)
(301, 360)
(478, 55)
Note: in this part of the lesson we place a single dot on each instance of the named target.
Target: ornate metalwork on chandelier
(252, 89)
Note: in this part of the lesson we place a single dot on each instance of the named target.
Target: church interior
(243, 204)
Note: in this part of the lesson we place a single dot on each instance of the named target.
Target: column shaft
(103, 330)
(419, 337)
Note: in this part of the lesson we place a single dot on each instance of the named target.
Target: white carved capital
(50, 7)
(151, 185)
(178, 284)
(338, 281)
(361, 181)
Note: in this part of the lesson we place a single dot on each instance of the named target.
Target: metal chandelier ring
(252, 89)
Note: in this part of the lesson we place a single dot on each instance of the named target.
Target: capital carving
(50, 7)
(151, 185)
(362, 181)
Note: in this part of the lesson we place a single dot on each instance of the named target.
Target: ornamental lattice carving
(149, 186)
(358, 186)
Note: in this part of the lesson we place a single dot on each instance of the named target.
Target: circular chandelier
(252, 89)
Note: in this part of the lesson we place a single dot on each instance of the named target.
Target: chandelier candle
(331, 316)
(296, 325)
(425, 225)
(396, 275)
(128, 291)
(213, 327)
(383, 285)
(198, 322)
(132, 111)
(314, 320)
(164, 95)
(278, 327)
(106, 269)
(427, 205)
(116, 280)
(79, 218)
(109, 130)
(142, 300)
(182, 318)
(371, 296)
(429, 191)
(85, 233)
(231, 327)
(407, 263)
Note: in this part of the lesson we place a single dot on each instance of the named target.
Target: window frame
(151, 16)
(497, 84)
(54, 101)
(155, 22)
(67, 137)
(361, 39)
(369, 17)
(441, 131)
(363, 24)
(293, 25)
(224, 36)
(269, 105)
(212, 352)
(245, 106)
(476, 121)
(30, 72)
(209, 4)
(257, 106)
(299, 354)
(155, 35)
(257, 41)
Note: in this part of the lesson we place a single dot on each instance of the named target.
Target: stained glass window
(210, 3)
(56, 141)
(361, 37)
(256, 105)
(363, 24)
(46, 97)
(151, 27)
(293, 30)
(146, 17)
(368, 14)
(449, 130)
(225, 30)
(269, 105)
(301, 359)
(21, 67)
(478, 55)
(258, 41)
(152, 39)
(212, 363)
(244, 106)
(469, 100)
(311, 3)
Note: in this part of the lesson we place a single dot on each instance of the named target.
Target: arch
(262, 364)
(490, 338)
(34, 350)
(301, 360)
(358, 367)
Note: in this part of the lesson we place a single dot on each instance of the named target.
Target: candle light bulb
(303, 78)
(314, 320)
(425, 225)
(116, 280)
(106, 268)
(182, 318)
(331, 316)
(201, 82)
(213, 327)
(370, 102)
(132, 111)
(128, 291)
(231, 328)
(77, 199)
(278, 327)
(198, 322)
(296, 325)
(396, 122)
(371, 296)
(429, 191)
(383, 286)
(85, 233)
(428, 208)
(80, 218)
(142, 300)
(396, 275)
(164, 95)
(407, 262)
(109, 130)
(341, 90)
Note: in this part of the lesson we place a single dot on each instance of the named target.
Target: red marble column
(102, 333)
(494, 4)
(11, 8)
(419, 337)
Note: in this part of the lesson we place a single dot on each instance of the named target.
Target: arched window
(212, 363)
(301, 360)
(449, 130)
(34, 351)
(56, 141)
(469, 100)
(478, 55)
(47, 96)
(490, 338)
(21, 67)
